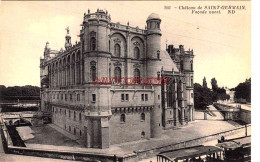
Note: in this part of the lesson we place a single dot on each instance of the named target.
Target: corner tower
(95, 40)
(154, 69)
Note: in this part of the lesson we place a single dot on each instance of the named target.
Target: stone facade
(105, 114)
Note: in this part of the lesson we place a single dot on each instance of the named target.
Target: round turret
(153, 36)
(153, 24)
(154, 66)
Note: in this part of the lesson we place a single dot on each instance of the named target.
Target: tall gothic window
(118, 74)
(117, 50)
(136, 53)
(137, 76)
(93, 44)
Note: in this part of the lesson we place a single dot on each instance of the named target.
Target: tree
(243, 90)
(11, 93)
(202, 97)
(214, 84)
(205, 83)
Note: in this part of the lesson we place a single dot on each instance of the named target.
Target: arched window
(93, 44)
(122, 118)
(137, 76)
(109, 72)
(93, 73)
(109, 45)
(143, 134)
(136, 53)
(117, 74)
(142, 116)
(117, 49)
(158, 54)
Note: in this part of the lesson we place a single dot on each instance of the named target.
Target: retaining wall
(245, 116)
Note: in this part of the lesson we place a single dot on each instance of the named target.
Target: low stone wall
(77, 156)
(245, 116)
(142, 154)
(241, 115)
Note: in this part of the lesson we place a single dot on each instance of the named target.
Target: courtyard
(49, 137)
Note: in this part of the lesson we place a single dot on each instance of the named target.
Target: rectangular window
(53, 96)
(58, 96)
(146, 97)
(142, 97)
(70, 97)
(191, 95)
(61, 97)
(78, 97)
(74, 115)
(122, 97)
(127, 97)
(93, 97)
(66, 97)
(159, 97)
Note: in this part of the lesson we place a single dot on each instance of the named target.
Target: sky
(221, 43)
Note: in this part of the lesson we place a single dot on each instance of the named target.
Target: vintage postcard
(125, 81)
